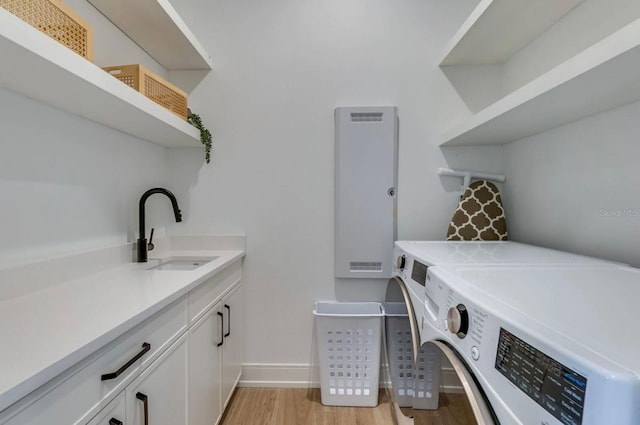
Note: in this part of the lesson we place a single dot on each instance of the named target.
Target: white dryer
(539, 345)
(413, 385)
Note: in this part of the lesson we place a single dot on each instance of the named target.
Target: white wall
(280, 69)
(576, 187)
(68, 184)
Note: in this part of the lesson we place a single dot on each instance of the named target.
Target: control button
(401, 262)
(445, 324)
(475, 353)
(458, 320)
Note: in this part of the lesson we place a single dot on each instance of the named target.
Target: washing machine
(414, 367)
(542, 345)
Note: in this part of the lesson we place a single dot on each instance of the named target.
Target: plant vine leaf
(205, 134)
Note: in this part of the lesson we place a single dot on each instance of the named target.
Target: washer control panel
(467, 322)
(557, 388)
(449, 313)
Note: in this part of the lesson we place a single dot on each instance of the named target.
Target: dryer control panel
(557, 388)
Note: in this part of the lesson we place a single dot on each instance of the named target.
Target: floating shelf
(38, 67)
(497, 29)
(600, 78)
(158, 29)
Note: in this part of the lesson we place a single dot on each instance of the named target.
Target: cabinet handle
(145, 347)
(114, 421)
(145, 403)
(222, 331)
(228, 321)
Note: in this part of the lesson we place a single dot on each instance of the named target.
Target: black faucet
(142, 241)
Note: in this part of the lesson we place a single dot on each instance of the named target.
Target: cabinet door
(113, 414)
(233, 336)
(160, 392)
(204, 368)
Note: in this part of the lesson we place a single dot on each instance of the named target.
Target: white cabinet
(79, 393)
(233, 307)
(205, 339)
(215, 358)
(159, 395)
(113, 414)
(178, 361)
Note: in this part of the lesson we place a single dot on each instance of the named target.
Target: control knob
(458, 320)
(401, 262)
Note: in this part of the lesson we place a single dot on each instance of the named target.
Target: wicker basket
(151, 85)
(56, 20)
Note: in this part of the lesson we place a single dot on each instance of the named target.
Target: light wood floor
(299, 406)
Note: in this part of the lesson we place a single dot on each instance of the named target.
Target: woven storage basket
(153, 86)
(56, 20)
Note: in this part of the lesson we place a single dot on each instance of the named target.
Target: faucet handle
(150, 245)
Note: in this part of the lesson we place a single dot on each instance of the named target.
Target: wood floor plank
(298, 406)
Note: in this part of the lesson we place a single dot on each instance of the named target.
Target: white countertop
(46, 331)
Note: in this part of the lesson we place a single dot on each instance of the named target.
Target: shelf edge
(601, 53)
(32, 46)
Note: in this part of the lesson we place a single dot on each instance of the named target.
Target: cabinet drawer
(206, 295)
(162, 388)
(76, 395)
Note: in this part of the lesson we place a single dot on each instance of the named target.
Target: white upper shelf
(497, 29)
(602, 77)
(158, 29)
(38, 67)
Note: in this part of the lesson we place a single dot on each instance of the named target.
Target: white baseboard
(285, 375)
(301, 375)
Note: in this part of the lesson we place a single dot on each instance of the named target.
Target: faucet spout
(142, 240)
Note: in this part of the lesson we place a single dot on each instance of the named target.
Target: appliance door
(429, 383)
(462, 403)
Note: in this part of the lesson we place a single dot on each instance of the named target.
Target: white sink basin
(182, 263)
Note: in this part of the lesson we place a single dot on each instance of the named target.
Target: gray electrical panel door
(366, 180)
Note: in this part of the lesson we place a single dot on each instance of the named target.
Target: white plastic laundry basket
(417, 386)
(349, 337)
(399, 352)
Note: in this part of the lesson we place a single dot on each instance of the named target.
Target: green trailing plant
(205, 134)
